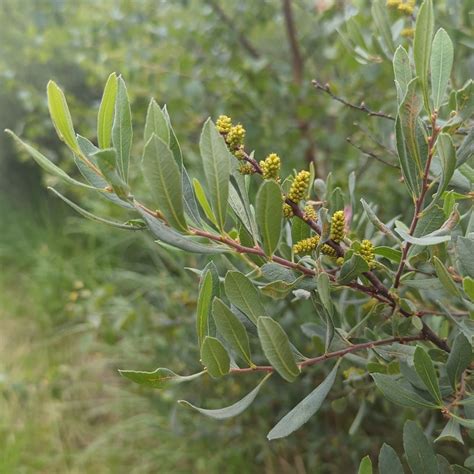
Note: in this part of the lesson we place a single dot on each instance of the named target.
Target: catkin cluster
(270, 167)
(299, 187)
(367, 252)
(309, 244)
(406, 8)
(309, 213)
(338, 223)
(287, 210)
(234, 135)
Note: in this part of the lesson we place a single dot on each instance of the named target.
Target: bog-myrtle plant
(300, 238)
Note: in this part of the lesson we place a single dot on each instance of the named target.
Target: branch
(296, 58)
(246, 44)
(362, 107)
(332, 355)
(371, 154)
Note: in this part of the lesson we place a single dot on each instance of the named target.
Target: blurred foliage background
(78, 301)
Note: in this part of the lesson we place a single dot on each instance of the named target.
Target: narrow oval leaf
(399, 392)
(459, 359)
(442, 55)
(46, 164)
(203, 202)
(175, 239)
(365, 466)
(451, 432)
(377, 222)
(243, 294)
(159, 378)
(231, 329)
(351, 269)
(61, 116)
(425, 369)
(419, 452)
(465, 251)
(93, 217)
(277, 349)
(216, 160)
(445, 278)
(269, 215)
(402, 72)
(164, 180)
(203, 308)
(324, 292)
(389, 462)
(156, 123)
(214, 357)
(122, 132)
(106, 159)
(425, 240)
(232, 410)
(105, 117)
(302, 412)
(422, 46)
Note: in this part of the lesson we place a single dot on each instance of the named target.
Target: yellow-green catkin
(367, 252)
(393, 3)
(306, 245)
(235, 137)
(223, 124)
(299, 187)
(271, 167)
(309, 213)
(408, 32)
(246, 168)
(340, 261)
(406, 8)
(329, 251)
(287, 211)
(338, 223)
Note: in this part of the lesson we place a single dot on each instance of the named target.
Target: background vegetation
(78, 301)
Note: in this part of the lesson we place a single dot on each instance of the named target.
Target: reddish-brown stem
(419, 201)
(335, 354)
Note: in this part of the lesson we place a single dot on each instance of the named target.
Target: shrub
(400, 296)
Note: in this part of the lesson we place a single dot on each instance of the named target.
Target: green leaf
(389, 462)
(365, 466)
(122, 132)
(61, 116)
(425, 369)
(159, 378)
(189, 199)
(459, 359)
(352, 268)
(466, 149)
(93, 217)
(442, 55)
(445, 277)
(451, 432)
(269, 215)
(232, 410)
(465, 251)
(402, 72)
(216, 162)
(231, 329)
(173, 142)
(107, 162)
(468, 286)
(276, 346)
(302, 412)
(105, 117)
(203, 308)
(422, 46)
(387, 252)
(463, 421)
(324, 292)
(426, 240)
(447, 156)
(175, 239)
(156, 123)
(214, 357)
(419, 452)
(164, 180)
(46, 164)
(243, 294)
(203, 202)
(399, 392)
(382, 22)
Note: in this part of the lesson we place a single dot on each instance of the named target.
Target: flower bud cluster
(223, 124)
(246, 168)
(271, 167)
(367, 252)
(234, 135)
(338, 223)
(287, 210)
(309, 213)
(299, 187)
(309, 244)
